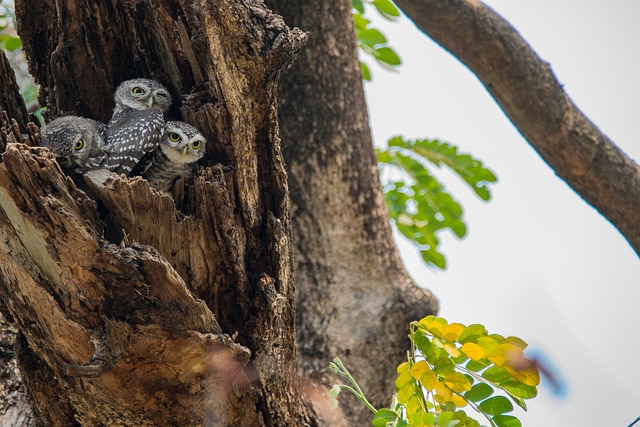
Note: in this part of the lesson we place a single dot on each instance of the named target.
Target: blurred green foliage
(371, 41)
(419, 204)
(10, 42)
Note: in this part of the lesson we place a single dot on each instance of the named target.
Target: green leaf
(518, 401)
(472, 333)
(387, 56)
(360, 22)
(506, 421)
(496, 405)
(440, 153)
(496, 374)
(479, 392)
(518, 389)
(333, 396)
(358, 5)
(416, 414)
(366, 73)
(517, 342)
(474, 366)
(444, 366)
(371, 37)
(384, 416)
(10, 43)
(386, 8)
(434, 257)
(384, 156)
(444, 418)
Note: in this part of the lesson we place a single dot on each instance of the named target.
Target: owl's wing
(130, 137)
(98, 157)
(143, 165)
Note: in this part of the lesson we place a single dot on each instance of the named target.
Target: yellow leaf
(457, 382)
(453, 331)
(443, 392)
(472, 351)
(523, 370)
(403, 379)
(438, 326)
(403, 367)
(429, 380)
(427, 321)
(487, 343)
(414, 405)
(517, 342)
(405, 393)
(503, 353)
(452, 350)
(458, 401)
(419, 368)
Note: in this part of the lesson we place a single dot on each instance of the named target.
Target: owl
(140, 94)
(78, 143)
(137, 123)
(181, 146)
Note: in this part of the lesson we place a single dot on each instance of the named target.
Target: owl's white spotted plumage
(137, 123)
(180, 149)
(77, 142)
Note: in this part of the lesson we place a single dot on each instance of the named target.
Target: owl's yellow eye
(79, 144)
(174, 137)
(196, 144)
(137, 90)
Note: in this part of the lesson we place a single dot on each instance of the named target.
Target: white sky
(538, 262)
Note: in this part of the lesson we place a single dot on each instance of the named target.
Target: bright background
(538, 262)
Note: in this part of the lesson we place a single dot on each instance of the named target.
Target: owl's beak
(183, 152)
(150, 101)
(63, 161)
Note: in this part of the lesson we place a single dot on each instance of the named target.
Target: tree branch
(531, 96)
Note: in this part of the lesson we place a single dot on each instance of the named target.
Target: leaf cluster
(419, 204)
(371, 41)
(452, 366)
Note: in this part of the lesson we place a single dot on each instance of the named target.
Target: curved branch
(530, 95)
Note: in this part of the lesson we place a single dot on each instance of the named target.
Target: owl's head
(182, 143)
(74, 140)
(142, 94)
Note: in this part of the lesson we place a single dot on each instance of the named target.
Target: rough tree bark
(530, 95)
(355, 299)
(132, 312)
(15, 408)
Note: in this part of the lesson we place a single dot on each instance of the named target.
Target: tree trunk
(15, 408)
(133, 312)
(355, 299)
(530, 95)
